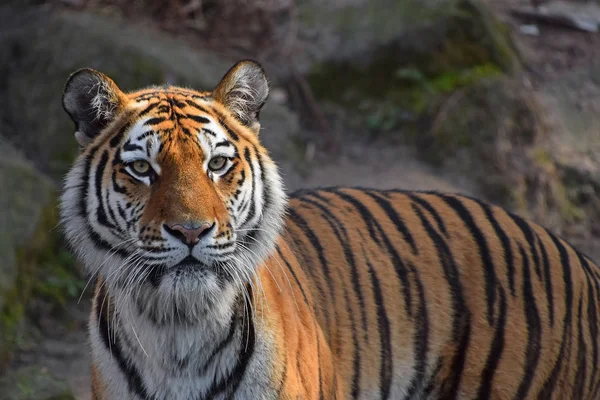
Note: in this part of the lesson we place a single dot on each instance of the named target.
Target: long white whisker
(93, 274)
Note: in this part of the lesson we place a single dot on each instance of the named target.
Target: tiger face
(172, 191)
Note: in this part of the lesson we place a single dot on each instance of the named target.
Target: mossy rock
(24, 194)
(481, 117)
(32, 259)
(400, 82)
(486, 131)
(33, 383)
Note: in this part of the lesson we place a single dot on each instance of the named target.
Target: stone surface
(33, 383)
(24, 195)
(343, 28)
(484, 132)
(396, 83)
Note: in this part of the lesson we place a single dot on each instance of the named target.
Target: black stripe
(100, 210)
(316, 244)
(493, 359)
(111, 213)
(289, 267)
(534, 334)
(396, 219)
(222, 345)
(132, 147)
(132, 375)
(344, 241)
(298, 220)
(124, 216)
(154, 121)
(421, 338)
(491, 280)
(550, 383)
(461, 324)
(581, 372)
(229, 385)
(266, 193)
(224, 143)
(234, 136)
(253, 185)
(529, 237)
(433, 379)
(547, 280)
(373, 226)
(210, 132)
(83, 211)
(197, 107)
(505, 241)
(592, 316)
(148, 109)
(116, 187)
(115, 140)
(144, 135)
(431, 209)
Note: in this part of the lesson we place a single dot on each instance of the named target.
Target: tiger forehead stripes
(212, 284)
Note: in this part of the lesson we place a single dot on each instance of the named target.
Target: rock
(529, 30)
(398, 81)
(341, 29)
(33, 383)
(485, 131)
(583, 17)
(25, 197)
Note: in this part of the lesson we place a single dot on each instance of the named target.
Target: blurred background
(499, 99)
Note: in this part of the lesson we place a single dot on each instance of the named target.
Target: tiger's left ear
(244, 90)
(92, 100)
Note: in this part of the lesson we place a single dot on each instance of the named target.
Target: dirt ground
(559, 64)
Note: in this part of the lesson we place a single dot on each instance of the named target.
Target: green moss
(400, 83)
(542, 157)
(44, 270)
(33, 383)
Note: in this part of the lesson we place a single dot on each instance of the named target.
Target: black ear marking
(92, 100)
(244, 90)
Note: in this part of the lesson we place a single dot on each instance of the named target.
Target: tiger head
(172, 189)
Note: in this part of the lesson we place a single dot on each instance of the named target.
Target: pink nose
(189, 232)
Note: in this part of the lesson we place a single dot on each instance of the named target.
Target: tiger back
(212, 284)
(445, 296)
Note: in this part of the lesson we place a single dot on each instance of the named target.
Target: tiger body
(212, 284)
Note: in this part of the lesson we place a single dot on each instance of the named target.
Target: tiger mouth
(188, 263)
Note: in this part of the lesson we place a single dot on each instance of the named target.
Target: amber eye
(141, 167)
(217, 163)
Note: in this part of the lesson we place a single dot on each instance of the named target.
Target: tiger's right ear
(92, 100)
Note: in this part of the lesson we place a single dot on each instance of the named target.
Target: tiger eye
(217, 163)
(141, 167)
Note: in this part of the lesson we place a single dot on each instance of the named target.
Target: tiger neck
(177, 340)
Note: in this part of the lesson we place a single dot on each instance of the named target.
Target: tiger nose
(189, 233)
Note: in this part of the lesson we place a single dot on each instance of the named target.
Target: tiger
(211, 281)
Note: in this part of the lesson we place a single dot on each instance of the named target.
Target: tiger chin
(210, 283)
